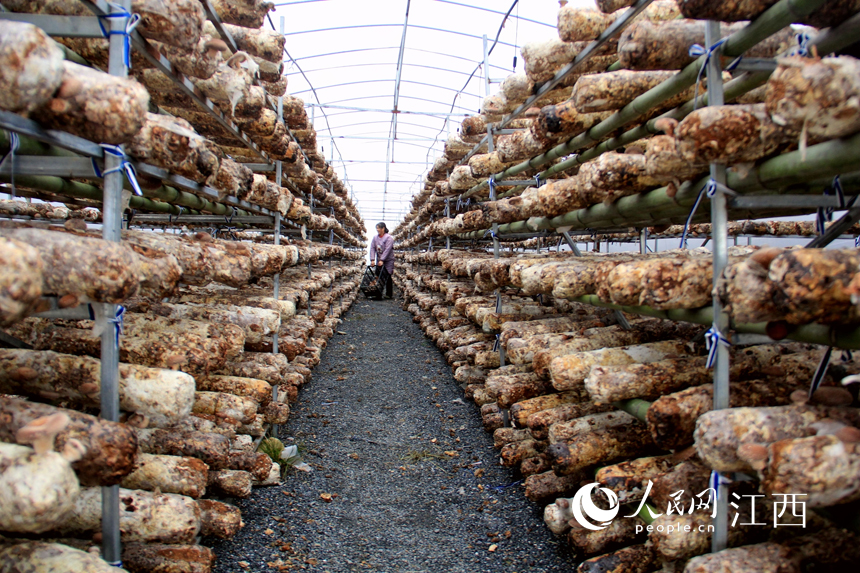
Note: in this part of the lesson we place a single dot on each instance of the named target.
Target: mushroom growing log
(730, 134)
(720, 433)
(163, 396)
(235, 483)
(632, 559)
(629, 479)
(209, 447)
(523, 409)
(37, 489)
(168, 474)
(830, 13)
(173, 144)
(232, 81)
(811, 285)
(143, 516)
(619, 534)
(219, 519)
(194, 346)
(613, 336)
(825, 467)
(31, 67)
(260, 42)
(86, 267)
(595, 439)
(613, 90)
(21, 283)
(41, 557)
(245, 13)
(225, 405)
(109, 447)
(673, 418)
(256, 323)
(581, 24)
(540, 423)
(569, 372)
(96, 106)
(200, 62)
(540, 487)
(259, 391)
(607, 384)
(163, 558)
(662, 283)
(665, 45)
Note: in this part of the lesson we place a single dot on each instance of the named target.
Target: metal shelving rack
(774, 196)
(72, 158)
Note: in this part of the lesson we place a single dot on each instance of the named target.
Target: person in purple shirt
(382, 252)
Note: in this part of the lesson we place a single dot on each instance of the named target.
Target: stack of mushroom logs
(197, 373)
(196, 379)
(570, 365)
(583, 399)
(795, 108)
(91, 104)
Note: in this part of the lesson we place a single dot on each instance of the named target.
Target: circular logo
(582, 504)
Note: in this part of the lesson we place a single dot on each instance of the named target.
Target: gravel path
(414, 480)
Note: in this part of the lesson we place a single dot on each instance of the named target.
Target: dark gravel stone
(415, 482)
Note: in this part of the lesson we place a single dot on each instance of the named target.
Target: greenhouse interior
(429, 286)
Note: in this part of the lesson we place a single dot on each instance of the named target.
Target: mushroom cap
(42, 431)
(216, 44)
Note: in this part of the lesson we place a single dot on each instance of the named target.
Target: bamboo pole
(636, 408)
(166, 194)
(30, 146)
(788, 172)
(827, 42)
(847, 337)
(774, 19)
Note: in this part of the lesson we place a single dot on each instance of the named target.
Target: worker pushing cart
(382, 259)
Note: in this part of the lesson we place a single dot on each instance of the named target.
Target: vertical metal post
(277, 285)
(486, 67)
(277, 240)
(643, 241)
(719, 230)
(447, 216)
(111, 231)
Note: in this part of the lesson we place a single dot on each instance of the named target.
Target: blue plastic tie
(802, 48)
(492, 184)
(715, 481)
(131, 22)
(710, 189)
(713, 338)
(697, 51)
(538, 181)
(124, 166)
(14, 144)
(117, 323)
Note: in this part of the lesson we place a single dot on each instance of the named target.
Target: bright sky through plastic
(348, 52)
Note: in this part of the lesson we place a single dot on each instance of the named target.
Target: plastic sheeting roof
(388, 81)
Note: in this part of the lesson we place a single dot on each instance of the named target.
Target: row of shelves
(769, 189)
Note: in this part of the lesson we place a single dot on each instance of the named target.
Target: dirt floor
(403, 478)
